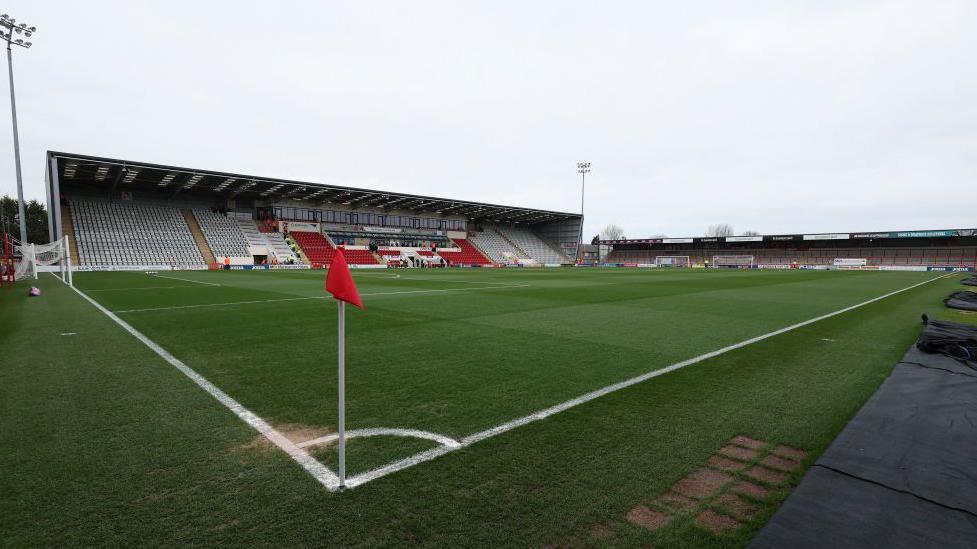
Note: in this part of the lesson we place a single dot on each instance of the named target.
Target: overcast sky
(778, 116)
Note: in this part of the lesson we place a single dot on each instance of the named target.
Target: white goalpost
(44, 258)
(733, 261)
(673, 261)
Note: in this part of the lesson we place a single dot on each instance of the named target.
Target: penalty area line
(320, 472)
(473, 438)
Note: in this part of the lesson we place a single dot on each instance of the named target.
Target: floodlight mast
(583, 168)
(8, 28)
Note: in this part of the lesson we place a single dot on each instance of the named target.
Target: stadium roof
(128, 175)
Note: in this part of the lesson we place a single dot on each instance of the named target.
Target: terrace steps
(68, 229)
(198, 236)
(511, 243)
(298, 249)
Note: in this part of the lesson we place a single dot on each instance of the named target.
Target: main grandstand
(896, 250)
(126, 215)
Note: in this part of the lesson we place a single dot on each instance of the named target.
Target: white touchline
(314, 297)
(185, 280)
(542, 414)
(320, 472)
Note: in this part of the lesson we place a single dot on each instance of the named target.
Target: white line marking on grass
(318, 471)
(140, 288)
(185, 280)
(448, 290)
(364, 275)
(219, 304)
(416, 459)
(542, 414)
(251, 302)
(429, 279)
(380, 431)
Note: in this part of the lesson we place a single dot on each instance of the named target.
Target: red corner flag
(339, 282)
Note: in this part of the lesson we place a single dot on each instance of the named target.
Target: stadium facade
(122, 214)
(938, 249)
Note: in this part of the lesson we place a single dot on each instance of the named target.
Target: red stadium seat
(469, 254)
(319, 251)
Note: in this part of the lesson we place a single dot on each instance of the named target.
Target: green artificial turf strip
(109, 444)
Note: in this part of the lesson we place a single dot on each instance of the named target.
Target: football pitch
(486, 406)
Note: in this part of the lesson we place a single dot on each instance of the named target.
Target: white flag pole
(342, 394)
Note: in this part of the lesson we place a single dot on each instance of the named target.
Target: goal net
(31, 259)
(733, 261)
(673, 261)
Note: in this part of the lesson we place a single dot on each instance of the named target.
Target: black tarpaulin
(962, 300)
(902, 473)
(831, 509)
(952, 339)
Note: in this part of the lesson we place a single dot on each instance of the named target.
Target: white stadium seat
(126, 233)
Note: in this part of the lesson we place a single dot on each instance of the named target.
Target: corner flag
(339, 282)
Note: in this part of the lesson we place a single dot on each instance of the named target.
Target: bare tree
(749, 233)
(612, 232)
(721, 229)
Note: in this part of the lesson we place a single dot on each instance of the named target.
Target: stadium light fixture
(8, 28)
(583, 168)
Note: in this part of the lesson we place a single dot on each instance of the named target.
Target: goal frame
(55, 258)
(746, 261)
(687, 261)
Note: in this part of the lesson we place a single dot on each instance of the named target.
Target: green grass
(106, 443)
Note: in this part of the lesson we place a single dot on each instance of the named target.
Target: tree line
(36, 212)
(614, 232)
